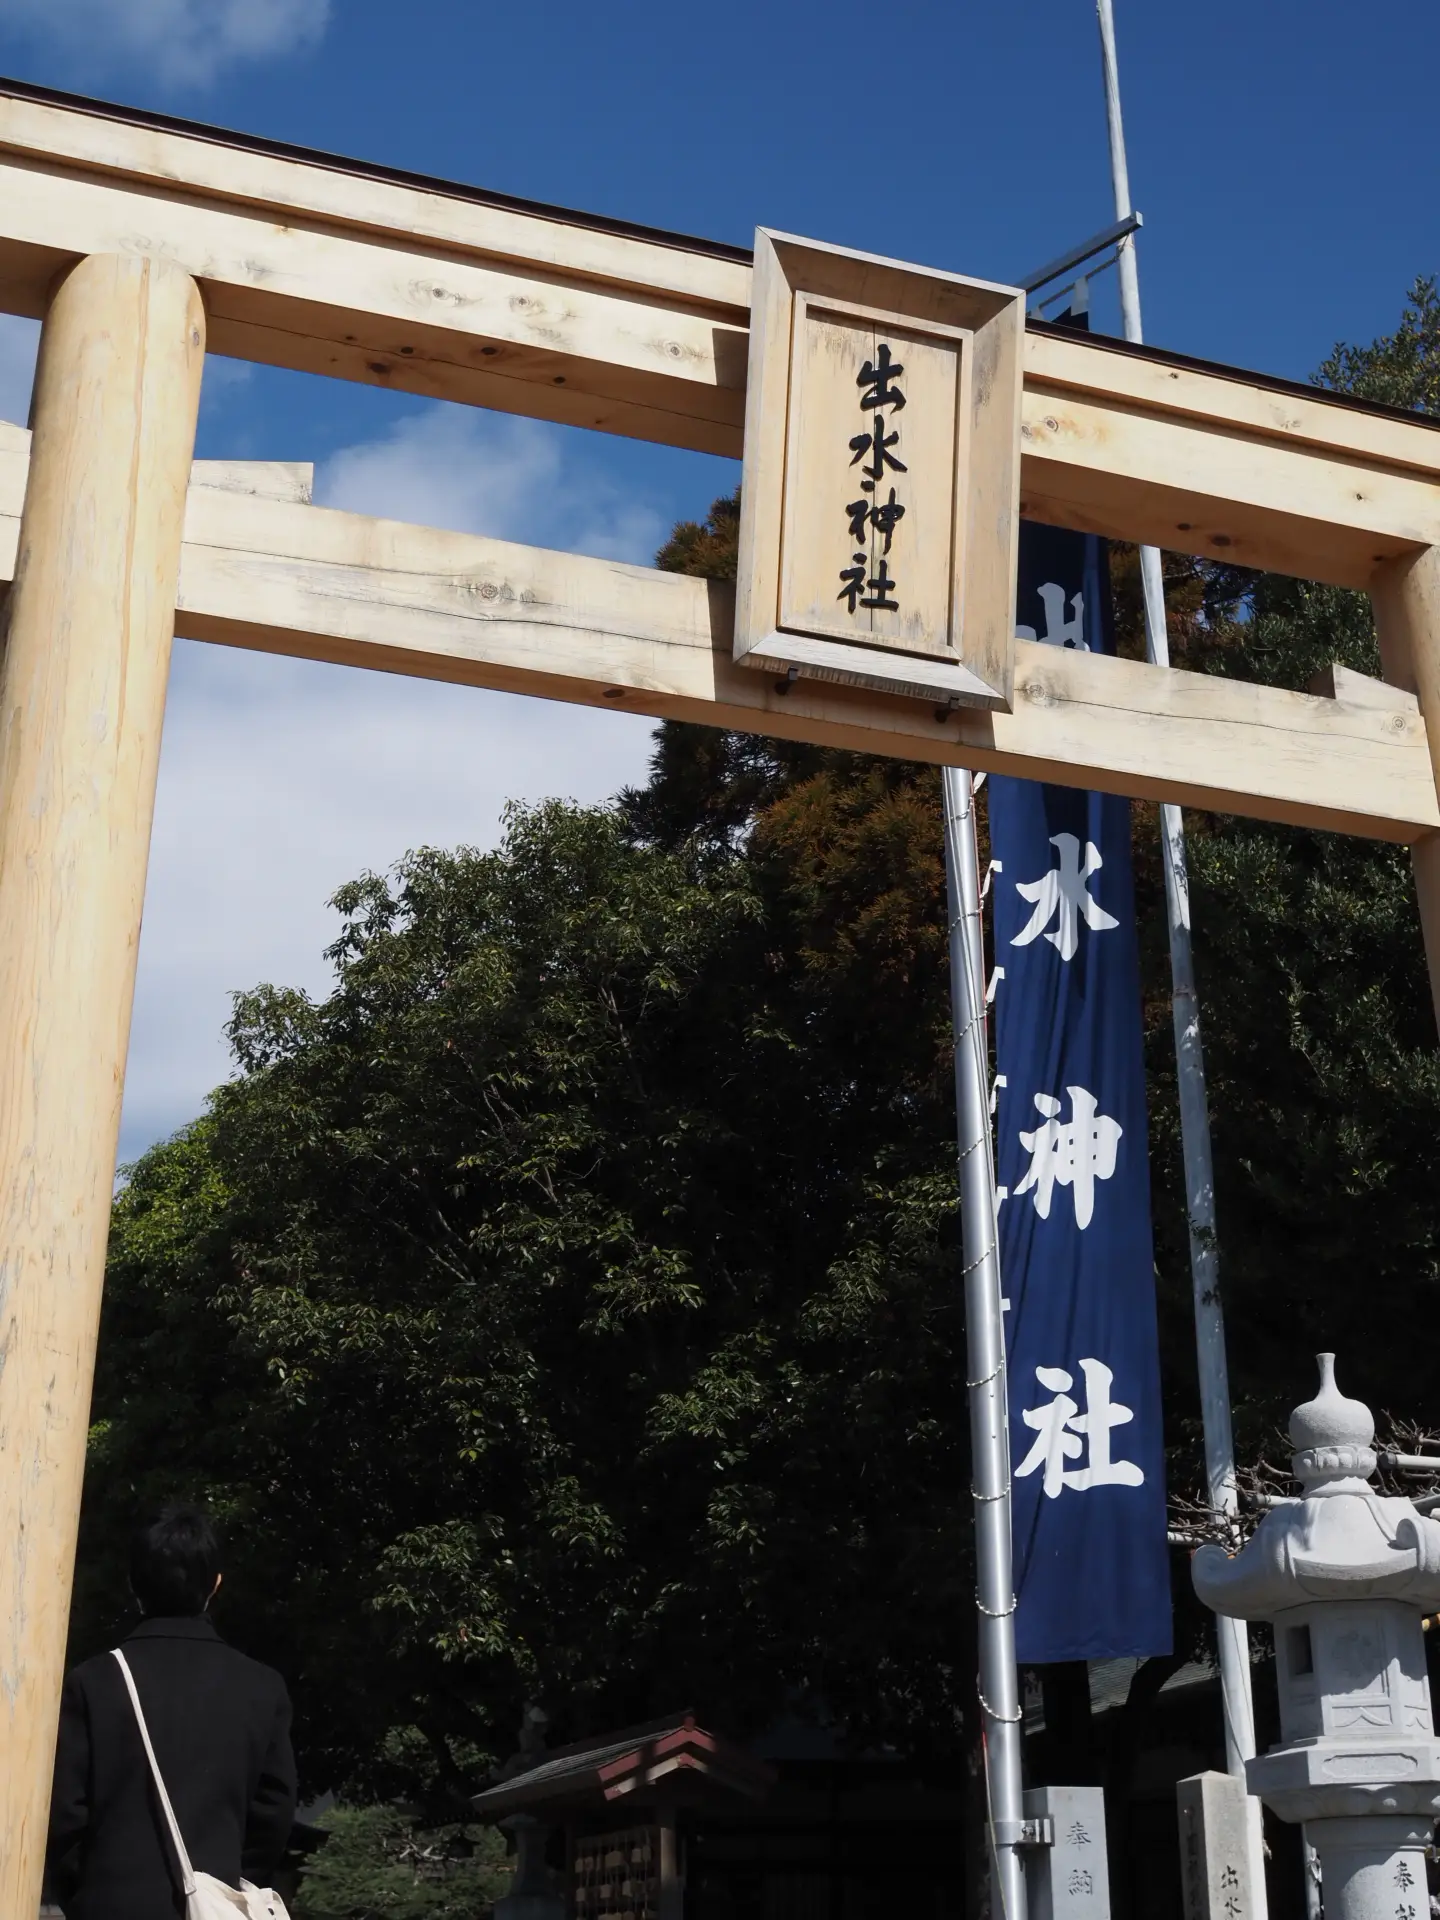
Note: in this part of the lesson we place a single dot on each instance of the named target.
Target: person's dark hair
(174, 1560)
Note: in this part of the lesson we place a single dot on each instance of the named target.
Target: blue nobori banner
(1076, 1261)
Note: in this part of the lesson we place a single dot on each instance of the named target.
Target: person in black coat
(220, 1726)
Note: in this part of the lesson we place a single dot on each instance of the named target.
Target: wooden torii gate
(142, 241)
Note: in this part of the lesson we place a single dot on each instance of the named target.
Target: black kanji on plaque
(852, 583)
(883, 516)
(876, 381)
(877, 443)
(879, 586)
(859, 587)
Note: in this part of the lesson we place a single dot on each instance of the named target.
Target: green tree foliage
(1319, 1029)
(1402, 369)
(563, 1308)
(377, 1866)
(566, 1307)
(706, 549)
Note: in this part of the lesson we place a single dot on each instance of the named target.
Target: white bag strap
(187, 1872)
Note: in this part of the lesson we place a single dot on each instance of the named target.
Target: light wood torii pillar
(82, 702)
(1405, 597)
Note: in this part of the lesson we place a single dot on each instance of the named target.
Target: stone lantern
(1344, 1575)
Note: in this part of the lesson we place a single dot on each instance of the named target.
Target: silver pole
(985, 1339)
(1233, 1636)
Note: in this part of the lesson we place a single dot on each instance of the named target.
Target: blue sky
(1283, 154)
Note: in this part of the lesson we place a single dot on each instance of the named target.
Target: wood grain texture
(273, 576)
(1406, 602)
(1227, 398)
(392, 311)
(313, 582)
(944, 630)
(1197, 486)
(291, 480)
(218, 170)
(325, 270)
(767, 408)
(1337, 682)
(821, 476)
(82, 699)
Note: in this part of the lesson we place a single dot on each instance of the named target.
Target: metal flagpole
(1233, 1637)
(985, 1337)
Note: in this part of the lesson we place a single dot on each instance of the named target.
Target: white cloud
(280, 779)
(19, 340)
(183, 43)
(491, 473)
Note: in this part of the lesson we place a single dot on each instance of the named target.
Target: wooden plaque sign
(880, 504)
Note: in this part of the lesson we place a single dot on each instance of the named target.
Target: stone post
(1067, 1871)
(1344, 1575)
(533, 1893)
(1215, 1852)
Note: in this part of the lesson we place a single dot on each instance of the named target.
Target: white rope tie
(1005, 1719)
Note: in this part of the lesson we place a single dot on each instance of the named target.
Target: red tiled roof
(670, 1760)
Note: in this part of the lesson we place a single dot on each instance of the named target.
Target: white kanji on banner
(1061, 1431)
(1073, 1153)
(1060, 631)
(1063, 896)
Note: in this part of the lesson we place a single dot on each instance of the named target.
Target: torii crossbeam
(141, 241)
